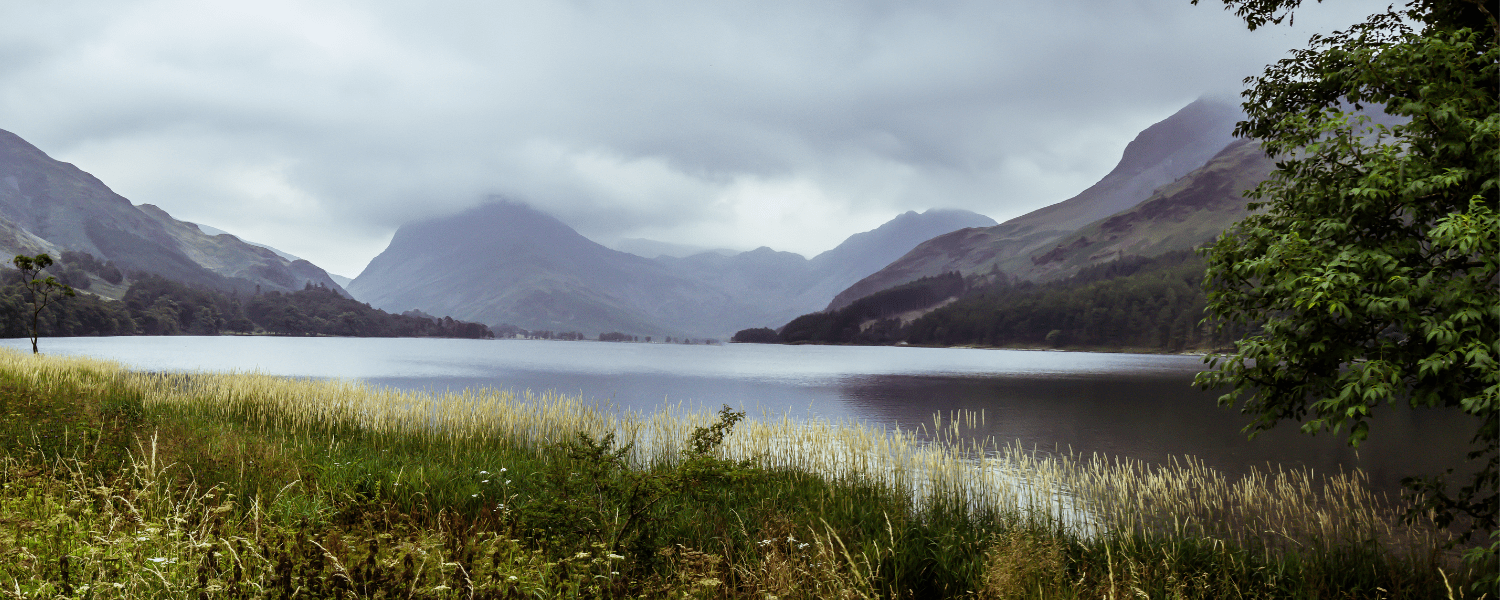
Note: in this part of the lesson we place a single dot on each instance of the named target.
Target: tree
(1372, 272)
(758, 335)
(41, 292)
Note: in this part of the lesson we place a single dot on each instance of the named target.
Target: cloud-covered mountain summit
(506, 262)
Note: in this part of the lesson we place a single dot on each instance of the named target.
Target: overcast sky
(319, 127)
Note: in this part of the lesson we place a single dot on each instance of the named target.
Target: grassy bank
(132, 485)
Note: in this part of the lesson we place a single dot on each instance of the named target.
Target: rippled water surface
(1129, 405)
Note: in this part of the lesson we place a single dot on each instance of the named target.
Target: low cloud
(320, 127)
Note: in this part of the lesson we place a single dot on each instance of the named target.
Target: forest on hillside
(153, 305)
(1133, 303)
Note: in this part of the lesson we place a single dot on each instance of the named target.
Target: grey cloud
(312, 122)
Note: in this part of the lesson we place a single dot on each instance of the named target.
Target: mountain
(1181, 215)
(1162, 154)
(51, 206)
(868, 252)
(784, 285)
(508, 263)
(645, 248)
(213, 231)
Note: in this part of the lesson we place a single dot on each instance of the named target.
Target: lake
(1128, 405)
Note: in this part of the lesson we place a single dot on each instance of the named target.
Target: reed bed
(999, 503)
(1094, 495)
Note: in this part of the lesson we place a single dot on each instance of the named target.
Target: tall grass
(492, 492)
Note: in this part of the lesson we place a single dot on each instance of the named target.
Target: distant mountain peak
(646, 248)
(506, 262)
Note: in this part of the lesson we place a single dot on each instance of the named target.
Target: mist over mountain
(784, 285)
(508, 263)
(1176, 185)
(1160, 155)
(645, 248)
(51, 206)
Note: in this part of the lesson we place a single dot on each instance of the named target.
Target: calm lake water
(1128, 405)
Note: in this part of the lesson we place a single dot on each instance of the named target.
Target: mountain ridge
(508, 263)
(1161, 154)
(47, 205)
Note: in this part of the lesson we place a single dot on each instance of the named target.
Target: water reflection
(1154, 417)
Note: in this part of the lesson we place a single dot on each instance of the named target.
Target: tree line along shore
(154, 305)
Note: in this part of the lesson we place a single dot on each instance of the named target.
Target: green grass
(125, 485)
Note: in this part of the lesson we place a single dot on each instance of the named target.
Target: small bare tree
(43, 292)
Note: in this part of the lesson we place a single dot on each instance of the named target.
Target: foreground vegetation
(116, 484)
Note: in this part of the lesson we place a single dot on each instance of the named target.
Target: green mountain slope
(1180, 216)
(1160, 155)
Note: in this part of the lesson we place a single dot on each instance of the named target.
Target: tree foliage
(1135, 302)
(756, 335)
(1373, 270)
(872, 319)
(1138, 303)
(40, 291)
(158, 306)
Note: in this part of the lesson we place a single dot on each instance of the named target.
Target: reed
(242, 483)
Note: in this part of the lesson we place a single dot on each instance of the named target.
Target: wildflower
(484, 472)
(765, 542)
(512, 578)
(507, 482)
(502, 469)
(485, 481)
(791, 540)
(801, 546)
(473, 495)
(582, 555)
(613, 556)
